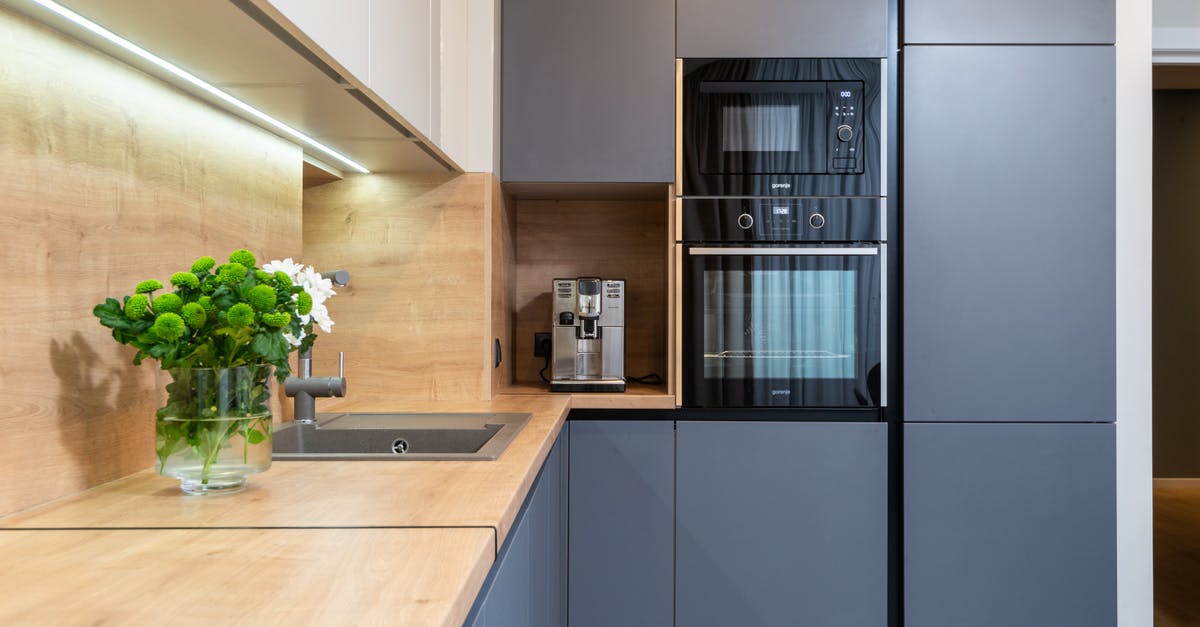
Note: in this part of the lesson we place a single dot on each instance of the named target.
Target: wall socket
(541, 344)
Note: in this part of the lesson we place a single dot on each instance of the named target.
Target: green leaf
(271, 346)
(110, 314)
(255, 436)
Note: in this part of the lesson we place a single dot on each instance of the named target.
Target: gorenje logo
(781, 392)
(781, 185)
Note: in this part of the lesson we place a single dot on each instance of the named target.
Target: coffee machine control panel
(601, 301)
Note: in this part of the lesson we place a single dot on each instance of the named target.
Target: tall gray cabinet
(782, 28)
(1009, 313)
(588, 91)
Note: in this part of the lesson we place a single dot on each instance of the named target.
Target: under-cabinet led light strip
(194, 80)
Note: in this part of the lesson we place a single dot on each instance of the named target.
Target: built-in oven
(784, 302)
(781, 127)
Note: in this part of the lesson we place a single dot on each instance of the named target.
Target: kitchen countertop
(384, 542)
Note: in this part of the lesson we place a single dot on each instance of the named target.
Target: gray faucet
(306, 388)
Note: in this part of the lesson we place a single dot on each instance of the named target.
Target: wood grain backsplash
(415, 321)
(110, 177)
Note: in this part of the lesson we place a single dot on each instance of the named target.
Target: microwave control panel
(845, 126)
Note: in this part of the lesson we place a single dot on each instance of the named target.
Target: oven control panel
(845, 137)
(783, 219)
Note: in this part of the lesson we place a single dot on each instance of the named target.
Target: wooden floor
(1177, 555)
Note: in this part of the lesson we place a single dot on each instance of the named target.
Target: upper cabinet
(1009, 22)
(588, 91)
(782, 28)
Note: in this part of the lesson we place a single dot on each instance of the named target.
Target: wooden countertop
(412, 529)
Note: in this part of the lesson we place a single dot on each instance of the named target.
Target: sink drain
(399, 445)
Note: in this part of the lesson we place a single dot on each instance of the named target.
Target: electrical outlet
(541, 344)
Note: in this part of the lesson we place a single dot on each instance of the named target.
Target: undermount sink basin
(395, 436)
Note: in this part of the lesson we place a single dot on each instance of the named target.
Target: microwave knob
(745, 220)
(845, 132)
(816, 220)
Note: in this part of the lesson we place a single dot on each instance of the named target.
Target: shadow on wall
(95, 397)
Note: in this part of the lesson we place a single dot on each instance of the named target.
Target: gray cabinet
(781, 524)
(1010, 21)
(1009, 524)
(782, 28)
(622, 514)
(588, 91)
(1009, 270)
(527, 584)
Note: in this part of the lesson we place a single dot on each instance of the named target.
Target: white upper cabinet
(339, 28)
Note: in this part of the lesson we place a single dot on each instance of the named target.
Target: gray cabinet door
(781, 524)
(588, 91)
(1009, 270)
(1009, 21)
(1009, 524)
(782, 28)
(527, 584)
(621, 520)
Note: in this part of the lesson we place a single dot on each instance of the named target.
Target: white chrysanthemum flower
(318, 287)
(287, 266)
(320, 315)
(293, 340)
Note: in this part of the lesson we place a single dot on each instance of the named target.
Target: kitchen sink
(398, 436)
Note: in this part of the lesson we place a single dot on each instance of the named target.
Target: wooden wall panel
(110, 177)
(503, 281)
(609, 239)
(414, 322)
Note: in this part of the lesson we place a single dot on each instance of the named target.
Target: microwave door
(763, 127)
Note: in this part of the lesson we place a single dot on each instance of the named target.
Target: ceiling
(250, 54)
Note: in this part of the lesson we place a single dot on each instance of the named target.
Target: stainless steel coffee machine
(589, 335)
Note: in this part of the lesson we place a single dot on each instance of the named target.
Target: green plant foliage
(277, 320)
(240, 315)
(231, 274)
(185, 279)
(169, 326)
(168, 302)
(263, 276)
(304, 303)
(193, 315)
(137, 306)
(261, 297)
(148, 286)
(203, 264)
(206, 302)
(243, 258)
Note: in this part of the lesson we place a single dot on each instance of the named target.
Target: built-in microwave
(781, 127)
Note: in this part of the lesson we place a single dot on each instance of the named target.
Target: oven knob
(845, 133)
(816, 220)
(745, 220)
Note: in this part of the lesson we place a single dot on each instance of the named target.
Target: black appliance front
(786, 127)
(784, 302)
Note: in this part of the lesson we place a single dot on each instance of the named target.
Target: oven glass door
(762, 127)
(783, 326)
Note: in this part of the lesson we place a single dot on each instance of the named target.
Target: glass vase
(214, 427)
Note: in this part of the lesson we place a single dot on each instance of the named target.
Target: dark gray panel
(1010, 21)
(1008, 524)
(1009, 271)
(588, 91)
(621, 521)
(782, 28)
(781, 524)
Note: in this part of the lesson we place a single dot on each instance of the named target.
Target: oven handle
(794, 252)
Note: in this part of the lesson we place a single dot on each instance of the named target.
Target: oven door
(784, 326)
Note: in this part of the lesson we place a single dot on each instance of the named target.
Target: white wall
(1176, 31)
(1135, 567)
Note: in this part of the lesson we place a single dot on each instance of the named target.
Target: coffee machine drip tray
(593, 385)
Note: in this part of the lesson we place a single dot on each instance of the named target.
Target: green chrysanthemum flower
(283, 279)
(169, 326)
(168, 303)
(263, 276)
(185, 279)
(243, 257)
(210, 308)
(277, 320)
(261, 297)
(304, 303)
(194, 315)
(137, 306)
(203, 264)
(231, 274)
(240, 315)
(148, 286)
